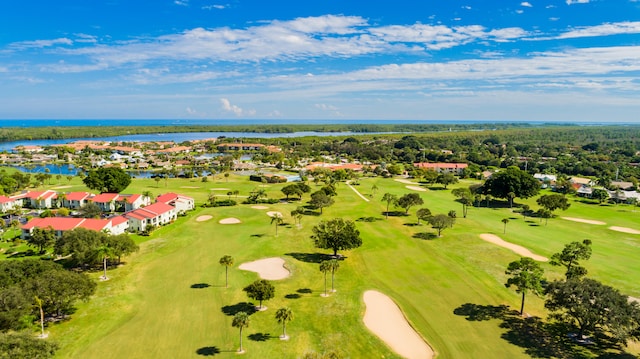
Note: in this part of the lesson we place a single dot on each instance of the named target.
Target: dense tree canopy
(592, 306)
(107, 179)
(553, 202)
(336, 234)
(526, 275)
(511, 183)
(409, 200)
(569, 257)
(260, 290)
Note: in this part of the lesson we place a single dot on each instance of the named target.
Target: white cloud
(191, 111)
(40, 43)
(239, 112)
(526, 4)
(571, 2)
(519, 11)
(181, 2)
(215, 6)
(618, 28)
(325, 107)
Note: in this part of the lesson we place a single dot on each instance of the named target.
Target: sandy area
(268, 268)
(492, 238)
(219, 189)
(582, 220)
(274, 213)
(404, 181)
(229, 221)
(383, 317)
(61, 187)
(191, 187)
(633, 299)
(203, 218)
(259, 207)
(624, 229)
(416, 188)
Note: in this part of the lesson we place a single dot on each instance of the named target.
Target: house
(106, 201)
(154, 215)
(180, 202)
(545, 178)
(584, 191)
(455, 168)
(129, 202)
(621, 184)
(240, 146)
(38, 199)
(63, 224)
(74, 200)
(9, 203)
(581, 181)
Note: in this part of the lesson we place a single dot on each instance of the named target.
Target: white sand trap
(274, 213)
(582, 220)
(220, 189)
(190, 187)
(259, 207)
(416, 188)
(203, 218)
(230, 221)
(633, 299)
(404, 181)
(268, 268)
(61, 187)
(624, 229)
(383, 317)
(492, 238)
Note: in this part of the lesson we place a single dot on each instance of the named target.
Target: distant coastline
(46, 132)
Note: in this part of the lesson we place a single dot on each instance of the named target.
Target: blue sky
(568, 60)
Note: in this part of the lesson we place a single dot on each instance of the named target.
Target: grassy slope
(149, 309)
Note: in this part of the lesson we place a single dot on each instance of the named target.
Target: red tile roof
(118, 220)
(129, 198)
(67, 223)
(77, 196)
(104, 197)
(167, 197)
(441, 165)
(4, 199)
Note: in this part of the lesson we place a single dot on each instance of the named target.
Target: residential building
(62, 224)
(180, 202)
(455, 168)
(74, 200)
(154, 215)
(106, 201)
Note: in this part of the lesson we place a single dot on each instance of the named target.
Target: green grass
(150, 309)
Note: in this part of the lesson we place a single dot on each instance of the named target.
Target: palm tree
(334, 264)
(105, 252)
(374, 189)
(240, 320)
(277, 219)
(147, 194)
(324, 268)
(226, 261)
(39, 306)
(284, 315)
(505, 221)
(389, 198)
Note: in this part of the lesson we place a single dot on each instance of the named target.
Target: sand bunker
(230, 221)
(633, 299)
(268, 268)
(259, 207)
(190, 187)
(416, 188)
(274, 214)
(61, 187)
(203, 218)
(624, 229)
(582, 220)
(383, 317)
(219, 189)
(492, 238)
(404, 181)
